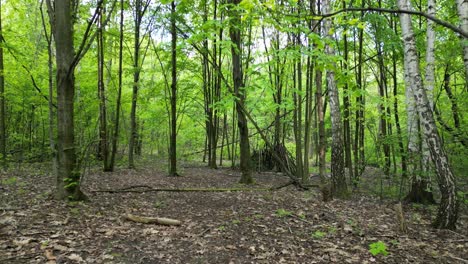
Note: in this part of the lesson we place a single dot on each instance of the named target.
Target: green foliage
(318, 234)
(283, 213)
(10, 180)
(377, 248)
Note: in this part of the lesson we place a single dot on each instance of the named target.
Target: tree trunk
(2, 100)
(103, 144)
(119, 92)
(173, 146)
(68, 176)
(462, 7)
(338, 188)
(139, 11)
(239, 92)
(421, 189)
(50, 67)
(447, 214)
(346, 105)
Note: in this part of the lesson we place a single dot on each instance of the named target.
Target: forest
(233, 131)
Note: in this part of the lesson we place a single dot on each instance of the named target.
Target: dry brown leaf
(49, 254)
(75, 257)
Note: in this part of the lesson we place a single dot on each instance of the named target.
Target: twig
(457, 258)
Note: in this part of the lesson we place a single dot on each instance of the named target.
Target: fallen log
(152, 220)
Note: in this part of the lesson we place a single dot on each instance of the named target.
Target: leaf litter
(284, 226)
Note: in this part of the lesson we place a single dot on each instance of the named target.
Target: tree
(173, 129)
(139, 11)
(448, 208)
(103, 153)
(339, 186)
(119, 91)
(462, 8)
(239, 91)
(2, 99)
(68, 176)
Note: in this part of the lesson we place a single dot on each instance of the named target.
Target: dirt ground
(284, 226)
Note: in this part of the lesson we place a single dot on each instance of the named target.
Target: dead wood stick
(148, 189)
(152, 220)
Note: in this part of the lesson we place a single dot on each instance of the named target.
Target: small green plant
(10, 181)
(283, 213)
(258, 216)
(221, 228)
(332, 229)
(159, 204)
(236, 221)
(377, 248)
(318, 234)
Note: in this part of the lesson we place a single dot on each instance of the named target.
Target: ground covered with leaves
(258, 226)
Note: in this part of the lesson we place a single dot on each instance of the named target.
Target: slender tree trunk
(447, 214)
(238, 78)
(339, 186)
(359, 159)
(68, 176)
(2, 100)
(115, 136)
(103, 144)
(346, 112)
(139, 11)
(50, 67)
(173, 154)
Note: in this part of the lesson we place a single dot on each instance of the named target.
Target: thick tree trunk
(421, 189)
(339, 186)
(448, 209)
(68, 176)
(173, 143)
(239, 91)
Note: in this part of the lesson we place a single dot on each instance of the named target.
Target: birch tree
(338, 187)
(462, 7)
(448, 208)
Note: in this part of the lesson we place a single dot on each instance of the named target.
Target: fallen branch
(150, 189)
(152, 220)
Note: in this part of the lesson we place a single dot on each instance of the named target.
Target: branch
(152, 220)
(400, 11)
(382, 10)
(146, 188)
(85, 44)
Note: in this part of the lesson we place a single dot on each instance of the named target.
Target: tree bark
(68, 176)
(115, 136)
(103, 143)
(462, 7)
(239, 92)
(339, 186)
(447, 214)
(173, 143)
(2, 100)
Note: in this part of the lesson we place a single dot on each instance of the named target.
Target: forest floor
(284, 226)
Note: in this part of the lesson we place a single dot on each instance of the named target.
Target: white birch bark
(448, 208)
(462, 7)
(339, 187)
(430, 79)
